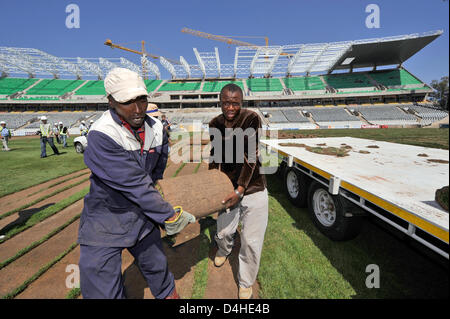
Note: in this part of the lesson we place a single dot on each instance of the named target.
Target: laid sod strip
(201, 270)
(45, 213)
(43, 198)
(58, 183)
(41, 271)
(37, 243)
(74, 293)
(179, 169)
(198, 166)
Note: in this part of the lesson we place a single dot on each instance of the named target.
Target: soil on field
(333, 151)
(437, 161)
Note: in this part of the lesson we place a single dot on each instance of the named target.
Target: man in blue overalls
(127, 154)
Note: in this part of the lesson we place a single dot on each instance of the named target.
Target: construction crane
(228, 39)
(109, 43)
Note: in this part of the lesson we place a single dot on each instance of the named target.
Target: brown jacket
(241, 171)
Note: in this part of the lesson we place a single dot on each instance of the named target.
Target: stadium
(366, 94)
(301, 86)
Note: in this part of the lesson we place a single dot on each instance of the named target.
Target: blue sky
(41, 25)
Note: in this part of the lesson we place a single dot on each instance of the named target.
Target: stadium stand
(396, 79)
(92, 88)
(427, 114)
(264, 85)
(306, 83)
(180, 86)
(294, 116)
(16, 120)
(216, 86)
(336, 117)
(349, 81)
(386, 115)
(54, 87)
(9, 86)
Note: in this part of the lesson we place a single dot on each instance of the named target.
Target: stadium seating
(428, 114)
(92, 88)
(216, 86)
(180, 86)
(294, 116)
(348, 80)
(386, 114)
(264, 85)
(395, 78)
(152, 84)
(54, 87)
(10, 86)
(305, 83)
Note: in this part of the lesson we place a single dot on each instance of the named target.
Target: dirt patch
(21, 197)
(437, 161)
(422, 155)
(373, 146)
(35, 233)
(333, 151)
(442, 197)
(26, 266)
(364, 152)
(285, 135)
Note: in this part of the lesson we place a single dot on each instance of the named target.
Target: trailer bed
(401, 179)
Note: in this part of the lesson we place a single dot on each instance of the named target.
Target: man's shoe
(245, 293)
(219, 260)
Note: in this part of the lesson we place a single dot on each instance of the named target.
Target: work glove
(182, 219)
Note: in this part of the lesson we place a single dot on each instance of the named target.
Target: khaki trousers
(252, 212)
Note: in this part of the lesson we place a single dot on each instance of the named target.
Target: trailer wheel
(328, 214)
(296, 187)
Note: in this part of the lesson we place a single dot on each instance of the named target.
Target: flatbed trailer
(394, 182)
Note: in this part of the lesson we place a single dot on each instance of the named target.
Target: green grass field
(22, 167)
(297, 260)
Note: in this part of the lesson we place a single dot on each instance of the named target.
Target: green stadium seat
(305, 83)
(54, 87)
(10, 86)
(348, 80)
(152, 84)
(180, 86)
(264, 85)
(216, 86)
(399, 77)
(92, 88)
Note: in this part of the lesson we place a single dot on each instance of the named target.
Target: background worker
(83, 128)
(46, 133)
(249, 202)
(56, 133)
(6, 135)
(127, 154)
(166, 123)
(63, 133)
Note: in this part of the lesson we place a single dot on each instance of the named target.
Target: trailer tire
(328, 214)
(296, 187)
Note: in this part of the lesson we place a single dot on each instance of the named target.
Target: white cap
(83, 122)
(2, 122)
(43, 118)
(60, 122)
(56, 124)
(124, 85)
(91, 121)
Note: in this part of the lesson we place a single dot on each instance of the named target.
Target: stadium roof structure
(284, 60)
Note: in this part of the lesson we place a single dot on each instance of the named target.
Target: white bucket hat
(124, 85)
(152, 110)
(43, 118)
